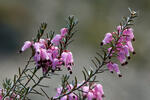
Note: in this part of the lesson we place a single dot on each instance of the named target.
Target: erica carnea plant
(50, 54)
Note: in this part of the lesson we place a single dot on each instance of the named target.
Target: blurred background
(20, 20)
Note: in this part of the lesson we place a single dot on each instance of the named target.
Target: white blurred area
(20, 19)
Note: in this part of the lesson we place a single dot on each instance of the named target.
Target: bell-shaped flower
(113, 67)
(85, 90)
(129, 44)
(128, 33)
(56, 40)
(26, 45)
(59, 90)
(37, 46)
(99, 88)
(64, 31)
(119, 29)
(55, 63)
(43, 43)
(110, 67)
(43, 54)
(99, 96)
(90, 96)
(54, 51)
(108, 38)
(121, 57)
(67, 58)
(126, 50)
(116, 68)
(72, 96)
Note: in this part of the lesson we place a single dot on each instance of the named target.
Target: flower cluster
(48, 55)
(120, 46)
(13, 96)
(91, 91)
(71, 96)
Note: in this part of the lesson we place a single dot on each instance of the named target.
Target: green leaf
(84, 75)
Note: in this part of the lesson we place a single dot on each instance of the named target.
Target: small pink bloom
(128, 34)
(37, 46)
(108, 38)
(121, 57)
(54, 52)
(129, 44)
(119, 28)
(42, 41)
(43, 54)
(37, 58)
(55, 63)
(26, 45)
(99, 96)
(59, 90)
(64, 31)
(109, 66)
(126, 50)
(72, 96)
(67, 58)
(90, 96)
(85, 90)
(110, 50)
(99, 88)
(113, 67)
(116, 68)
(56, 40)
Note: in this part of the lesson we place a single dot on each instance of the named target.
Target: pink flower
(37, 46)
(42, 41)
(128, 34)
(110, 67)
(119, 29)
(59, 90)
(56, 40)
(113, 67)
(108, 38)
(99, 88)
(43, 54)
(55, 63)
(126, 50)
(85, 90)
(64, 31)
(67, 58)
(54, 51)
(116, 68)
(26, 45)
(89, 92)
(129, 44)
(99, 96)
(121, 56)
(72, 96)
(90, 96)
(93, 91)
(110, 51)
(37, 58)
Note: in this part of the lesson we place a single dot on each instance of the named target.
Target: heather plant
(50, 54)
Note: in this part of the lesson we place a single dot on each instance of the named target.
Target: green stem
(11, 90)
